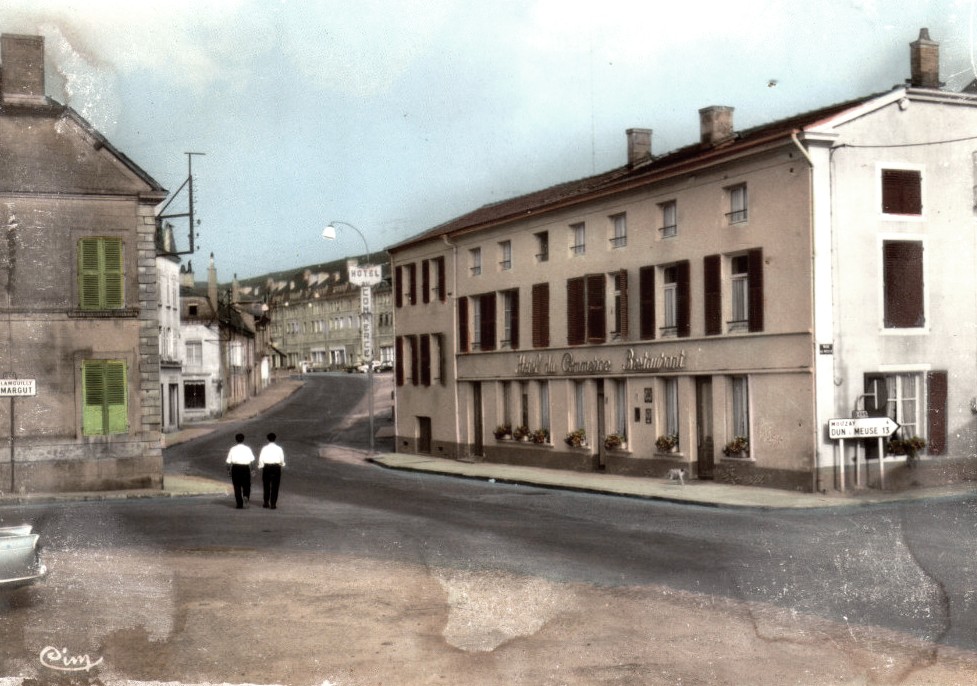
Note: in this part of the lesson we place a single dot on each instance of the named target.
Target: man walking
(271, 460)
(240, 459)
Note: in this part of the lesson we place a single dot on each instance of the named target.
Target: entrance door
(705, 445)
(174, 398)
(601, 426)
(424, 435)
(478, 442)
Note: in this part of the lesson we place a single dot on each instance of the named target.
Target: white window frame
(578, 239)
(671, 405)
(542, 246)
(475, 256)
(505, 255)
(739, 389)
(738, 204)
(669, 301)
(619, 230)
(669, 211)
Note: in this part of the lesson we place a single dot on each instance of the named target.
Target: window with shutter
(646, 296)
(596, 308)
(439, 261)
(510, 318)
(101, 277)
(901, 192)
(399, 286)
(541, 315)
(936, 391)
(105, 406)
(755, 291)
(903, 284)
(576, 311)
(621, 304)
(399, 360)
(486, 304)
(426, 281)
(415, 360)
(464, 343)
(713, 291)
(412, 284)
(683, 299)
(426, 360)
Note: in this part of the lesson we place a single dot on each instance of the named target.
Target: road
(370, 576)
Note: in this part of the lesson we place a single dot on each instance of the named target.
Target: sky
(389, 117)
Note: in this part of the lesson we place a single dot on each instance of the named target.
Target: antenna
(188, 184)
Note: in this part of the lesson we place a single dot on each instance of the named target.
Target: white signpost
(861, 427)
(366, 276)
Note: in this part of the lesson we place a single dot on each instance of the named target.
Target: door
(601, 425)
(424, 435)
(705, 445)
(478, 443)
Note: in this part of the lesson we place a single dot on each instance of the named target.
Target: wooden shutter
(576, 311)
(426, 281)
(441, 278)
(646, 297)
(683, 299)
(487, 305)
(514, 321)
(426, 360)
(88, 274)
(464, 342)
(901, 192)
(755, 295)
(412, 290)
(415, 360)
(399, 286)
(112, 276)
(105, 406)
(903, 284)
(116, 397)
(541, 315)
(621, 285)
(596, 308)
(936, 390)
(100, 274)
(93, 398)
(713, 291)
(439, 339)
(399, 360)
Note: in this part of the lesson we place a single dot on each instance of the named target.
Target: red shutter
(713, 291)
(412, 293)
(646, 297)
(464, 344)
(936, 390)
(426, 360)
(399, 286)
(621, 284)
(683, 299)
(415, 361)
(901, 192)
(399, 361)
(426, 281)
(755, 280)
(541, 315)
(576, 311)
(903, 284)
(487, 305)
(441, 279)
(514, 323)
(596, 308)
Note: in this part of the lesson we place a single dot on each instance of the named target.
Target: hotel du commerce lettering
(629, 362)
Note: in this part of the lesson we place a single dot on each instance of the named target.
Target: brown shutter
(399, 286)
(487, 305)
(541, 315)
(415, 360)
(755, 295)
(439, 337)
(903, 284)
(576, 311)
(441, 279)
(426, 360)
(621, 284)
(936, 390)
(464, 344)
(901, 192)
(426, 281)
(596, 308)
(713, 291)
(399, 361)
(683, 299)
(514, 323)
(412, 293)
(646, 297)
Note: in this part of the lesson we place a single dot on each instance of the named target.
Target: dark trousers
(271, 477)
(241, 479)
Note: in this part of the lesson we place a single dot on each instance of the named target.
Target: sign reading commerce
(542, 365)
(18, 387)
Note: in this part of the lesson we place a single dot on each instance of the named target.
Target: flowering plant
(738, 447)
(503, 431)
(540, 436)
(576, 439)
(612, 441)
(520, 432)
(667, 442)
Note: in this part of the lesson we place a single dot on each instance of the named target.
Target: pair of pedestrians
(240, 465)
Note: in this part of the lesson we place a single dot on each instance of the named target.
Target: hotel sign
(18, 387)
(544, 365)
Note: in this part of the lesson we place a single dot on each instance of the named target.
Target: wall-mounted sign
(826, 348)
(18, 387)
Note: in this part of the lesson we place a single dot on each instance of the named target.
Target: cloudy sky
(397, 115)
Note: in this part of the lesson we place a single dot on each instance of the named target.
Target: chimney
(212, 283)
(924, 61)
(186, 274)
(21, 69)
(639, 146)
(715, 124)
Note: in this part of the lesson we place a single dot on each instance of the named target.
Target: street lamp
(365, 276)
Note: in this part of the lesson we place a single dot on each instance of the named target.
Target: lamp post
(365, 276)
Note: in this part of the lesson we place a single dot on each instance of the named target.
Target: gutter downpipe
(454, 329)
(816, 475)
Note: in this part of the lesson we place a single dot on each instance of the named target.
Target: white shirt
(240, 454)
(271, 454)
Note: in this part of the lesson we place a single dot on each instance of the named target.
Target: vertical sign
(366, 321)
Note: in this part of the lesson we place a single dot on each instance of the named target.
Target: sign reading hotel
(365, 274)
(543, 365)
(18, 387)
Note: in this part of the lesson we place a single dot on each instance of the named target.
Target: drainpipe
(454, 330)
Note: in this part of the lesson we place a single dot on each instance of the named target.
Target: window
(505, 396)
(105, 398)
(579, 406)
(669, 212)
(195, 353)
(646, 305)
(192, 310)
(482, 324)
(671, 406)
(100, 274)
(586, 310)
(740, 388)
(619, 237)
(675, 302)
(620, 290)
(745, 292)
(901, 192)
(505, 255)
(902, 277)
(737, 204)
(541, 315)
(195, 395)
(236, 354)
(544, 405)
(411, 284)
(524, 404)
(740, 280)
(620, 422)
(670, 301)
(426, 281)
(542, 246)
(425, 359)
(475, 261)
(510, 318)
(578, 239)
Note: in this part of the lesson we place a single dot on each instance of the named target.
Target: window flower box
(503, 432)
(614, 442)
(738, 447)
(576, 439)
(540, 436)
(667, 443)
(521, 433)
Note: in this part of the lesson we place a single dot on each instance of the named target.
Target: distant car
(365, 367)
(20, 557)
(384, 366)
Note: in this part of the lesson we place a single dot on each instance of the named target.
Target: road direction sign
(861, 427)
(18, 387)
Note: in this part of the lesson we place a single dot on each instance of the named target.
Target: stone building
(79, 304)
(715, 307)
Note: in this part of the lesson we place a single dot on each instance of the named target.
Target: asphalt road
(906, 570)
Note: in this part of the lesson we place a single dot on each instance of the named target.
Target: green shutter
(112, 273)
(105, 406)
(100, 274)
(93, 398)
(88, 273)
(116, 396)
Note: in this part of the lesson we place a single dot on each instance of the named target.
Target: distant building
(170, 341)
(715, 307)
(79, 302)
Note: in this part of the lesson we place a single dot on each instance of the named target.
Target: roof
(621, 178)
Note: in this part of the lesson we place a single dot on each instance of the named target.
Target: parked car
(20, 557)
